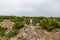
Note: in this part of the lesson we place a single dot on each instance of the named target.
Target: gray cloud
(30, 7)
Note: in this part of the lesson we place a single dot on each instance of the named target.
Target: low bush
(18, 25)
(2, 31)
(12, 33)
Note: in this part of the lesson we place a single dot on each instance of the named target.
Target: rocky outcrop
(7, 23)
(34, 33)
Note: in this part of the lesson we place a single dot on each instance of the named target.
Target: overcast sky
(30, 7)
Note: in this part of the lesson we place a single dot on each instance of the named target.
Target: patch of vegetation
(22, 38)
(12, 33)
(15, 29)
(18, 25)
(47, 23)
(2, 31)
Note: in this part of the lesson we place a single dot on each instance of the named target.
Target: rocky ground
(35, 33)
(30, 32)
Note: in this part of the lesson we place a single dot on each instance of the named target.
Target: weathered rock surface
(7, 23)
(35, 33)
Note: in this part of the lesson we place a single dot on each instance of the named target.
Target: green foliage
(26, 20)
(15, 30)
(12, 33)
(2, 31)
(48, 24)
(58, 24)
(22, 38)
(18, 25)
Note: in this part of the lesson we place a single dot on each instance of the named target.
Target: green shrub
(18, 25)
(21, 38)
(48, 24)
(12, 33)
(58, 24)
(2, 31)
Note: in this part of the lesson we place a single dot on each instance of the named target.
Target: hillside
(29, 28)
